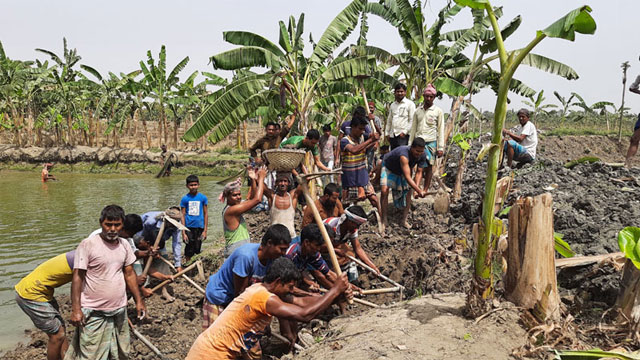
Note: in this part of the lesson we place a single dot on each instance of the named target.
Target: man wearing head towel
(428, 124)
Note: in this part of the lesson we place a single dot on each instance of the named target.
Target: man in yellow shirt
(35, 298)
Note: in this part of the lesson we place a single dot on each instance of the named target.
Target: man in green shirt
(308, 143)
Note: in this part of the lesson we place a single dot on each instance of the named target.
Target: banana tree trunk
(245, 135)
(238, 138)
(69, 130)
(628, 301)
(175, 134)
(462, 165)
(146, 133)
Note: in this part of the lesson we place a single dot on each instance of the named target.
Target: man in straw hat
(235, 229)
(428, 124)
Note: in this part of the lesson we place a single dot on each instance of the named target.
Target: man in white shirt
(635, 138)
(525, 140)
(400, 118)
(428, 124)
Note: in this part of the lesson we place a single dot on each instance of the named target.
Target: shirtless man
(45, 172)
(282, 204)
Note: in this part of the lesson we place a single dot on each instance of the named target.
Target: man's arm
(440, 137)
(77, 318)
(360, 253)
(243, 207)
(183, 211)
(517, 138)
(319, 163)
(406, 171)
(132, 285)
(311, 306)
(389, 125)
(205, 210)
(635, 86)
(253, 150)
(418, 178)
(354, 149)
(239, 284)
(295, 195)
(414, 128)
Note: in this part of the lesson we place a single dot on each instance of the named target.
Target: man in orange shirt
(243, 322)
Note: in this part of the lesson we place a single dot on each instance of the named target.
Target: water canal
(41, 220)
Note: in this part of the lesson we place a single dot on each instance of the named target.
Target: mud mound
(426, 328)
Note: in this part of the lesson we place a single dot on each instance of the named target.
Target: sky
(115, 35)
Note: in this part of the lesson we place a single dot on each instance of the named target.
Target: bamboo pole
(356, 300)
(144, 340)
(184, 276)
(285, 340)
(147, 265)
(367, 267)
(162, 284)
(380, 291)
(316, 215)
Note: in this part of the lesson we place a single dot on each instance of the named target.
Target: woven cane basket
(284, 159)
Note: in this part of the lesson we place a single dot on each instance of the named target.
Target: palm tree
(160, 84)
(292, 82)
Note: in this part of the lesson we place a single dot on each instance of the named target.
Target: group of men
(104, 268)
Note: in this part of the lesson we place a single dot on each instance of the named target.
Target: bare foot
(167, 296)
(406, 225)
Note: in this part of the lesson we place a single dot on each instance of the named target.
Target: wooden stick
(162, 284)
(367, 267)
(366, 106)
(381, 291)
(147, 265)
(184, 276)
(144, 339)
(585, 260)
(285, 340)
(356, 300)
(316, 215)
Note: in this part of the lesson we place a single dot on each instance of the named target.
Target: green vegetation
(629, 243)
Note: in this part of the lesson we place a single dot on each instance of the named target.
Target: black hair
(358, 121)
(313, 134)
(112, 212)
(311, 233)
(418, 142)
(357, 210)
(192, 178)
(326, 127)
(330, 189)
(282, 269)
(359, 112)
(384, 147)
(276, 234)
(132, 224)
(524, 112)
(400, 86)
(271, 123)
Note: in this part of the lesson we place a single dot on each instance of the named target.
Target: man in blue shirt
(246, 266)
(151, 223)
(396, 176)
(195, 217)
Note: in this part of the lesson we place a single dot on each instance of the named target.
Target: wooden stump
(530, 280)
(628, 302)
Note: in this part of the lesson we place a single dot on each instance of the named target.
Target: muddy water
(39, 221)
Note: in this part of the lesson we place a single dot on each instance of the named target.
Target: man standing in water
(635, 138)
(101, 272)
(45, 172)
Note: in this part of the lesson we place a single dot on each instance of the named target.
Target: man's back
(243, 262)
(39, 285)
(239, 327)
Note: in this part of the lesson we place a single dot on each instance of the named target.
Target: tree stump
(530, 280)
(628, 302)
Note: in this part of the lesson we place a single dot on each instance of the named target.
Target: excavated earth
(591, 203)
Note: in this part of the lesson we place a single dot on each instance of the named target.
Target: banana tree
(539, 108)
(591, 110)
(64, 76)
(578, 20)
(292, 82)
(566, 104)
(160, 83)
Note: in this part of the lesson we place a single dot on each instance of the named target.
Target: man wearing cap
(524, 140)
(428, 124)
(151, 223)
